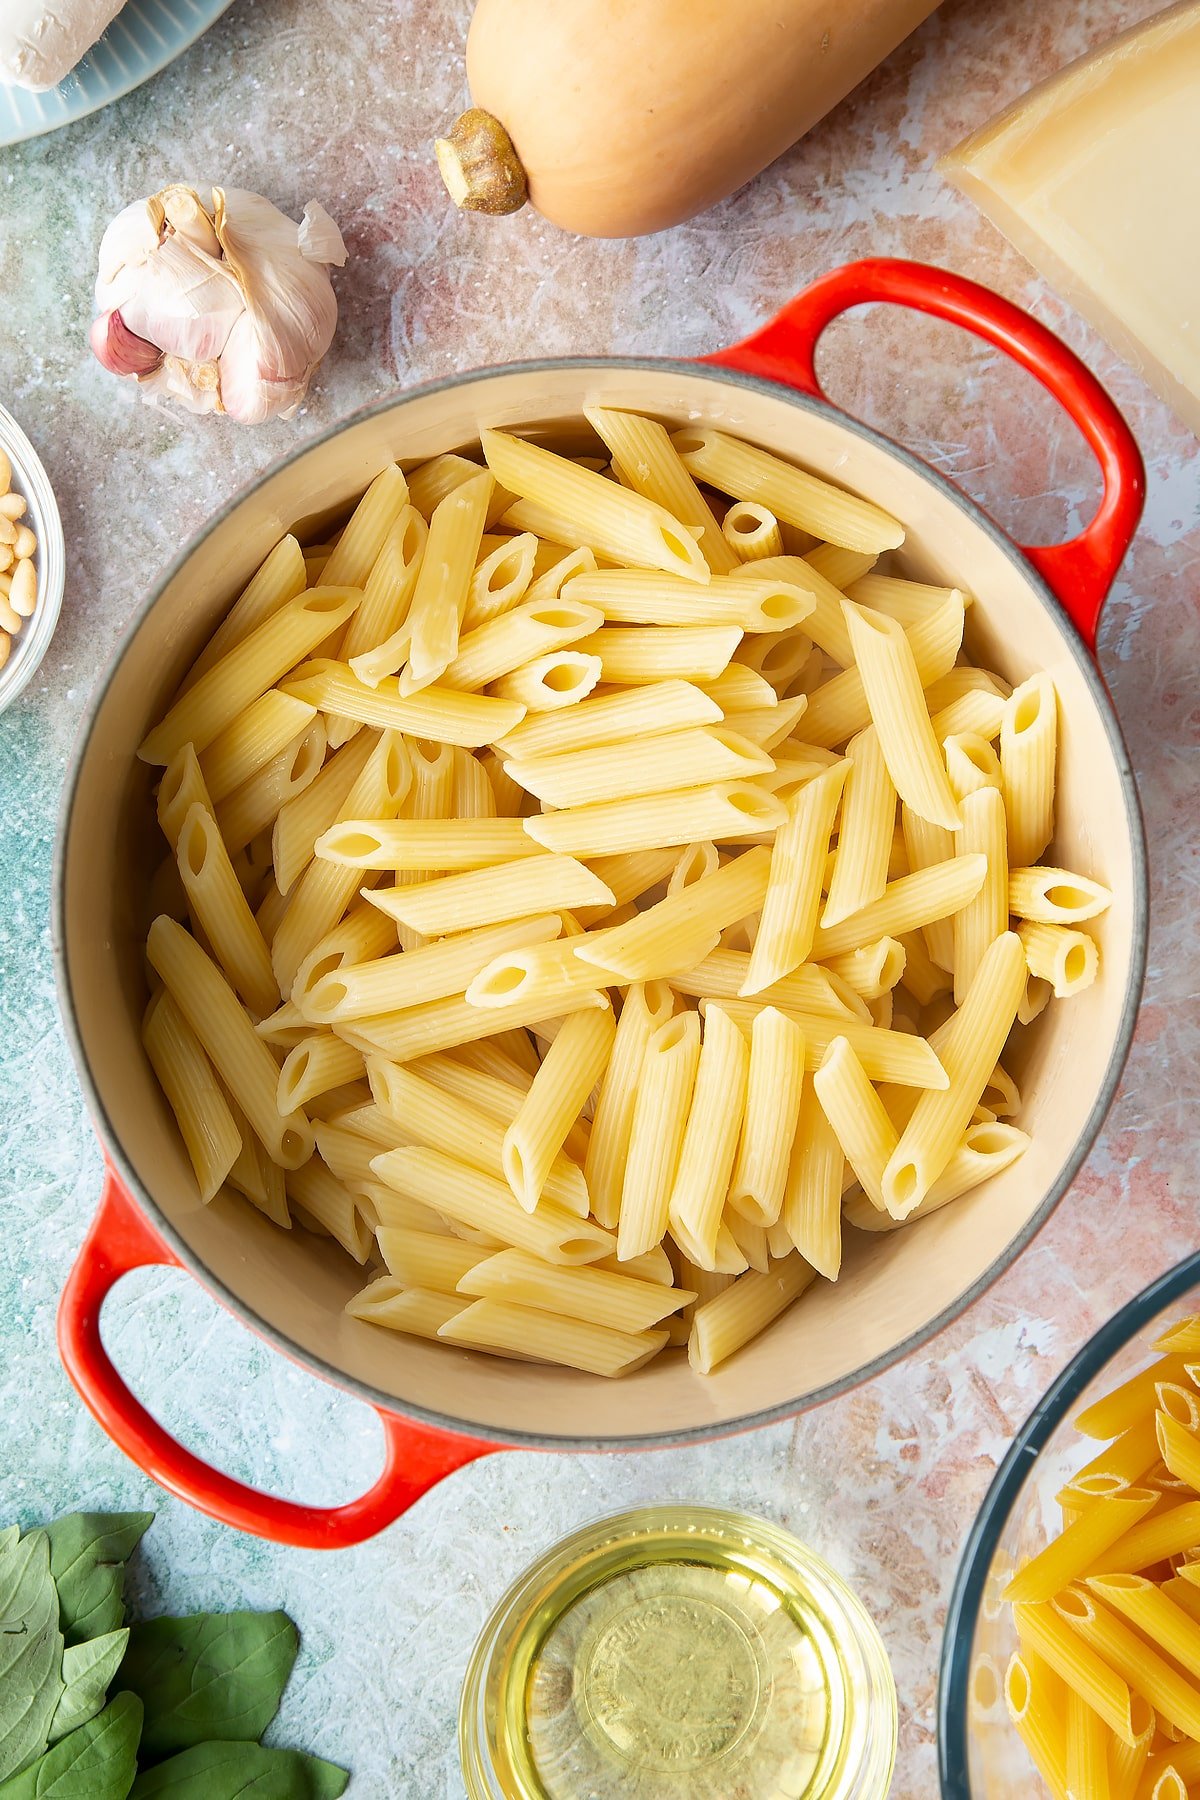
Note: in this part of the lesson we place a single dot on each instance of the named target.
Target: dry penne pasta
(562, 868)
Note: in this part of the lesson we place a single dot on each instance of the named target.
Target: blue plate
(143, 38)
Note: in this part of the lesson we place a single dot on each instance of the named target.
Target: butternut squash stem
(479, 165)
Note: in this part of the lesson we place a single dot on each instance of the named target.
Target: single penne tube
(433, 972)
(442, 844)
(286, 1026)
(1173, 1697)
(1043, 1630)
(645, 1006)
(814, 987)
(631, 875)
(499, 1095)
(438, 1025)
(1166, 1626)
(555, 1098)
(1126, 1459)
(892, 1056)
(1127, 1405)
(1181, 1337)
(441, 714)
(811, 1214)
(858, 1117)
(710, 1138)
(655, 1265)
(1055, 896)
(424, 1113)
(443, 583)
(254, 807)
(971, 763)
(302, 820)
(780, 657)
(209, 1131)
(359, 936)
(642, 655)
(860, 867)
(551, 683)
(638, 597)
(1037, 1706)
(988, 1147)
(793, 894)
(615, 1301)
(246, 671)
(984, 918)
(254, 738)
(654, 943)
(936, 892)
(740, 1312)
(1179, 1449)
(802, 500)
(182, 787)
(824, 625)
(493, 895)
(1028, 757)
(695, 862)
(545, 1337)
(621, 718)
(968, 1051)
(1070, 1556)
(691, 758)
(647, 461)
(976, 713)
(501, 580)
(324, 891)
(894, 690)
(773, 1087)
(751, 531)
(623, 524)
(219, 906)
(469, 1197)
(927, 845)
(872, 971)
(738, 688)
(516, 637)
(282, 577)
(840, 707)
(415, 1311)
(1068, 960)
(317, 1063)
(725, 812)
(516, 978)
(553, 567)
(320, 1201)
(424, 1259)
(357, 549)
(226, 1034)
(388, 589)
(431, 481)
(389, 1211)
(907, 601)
(659, 1104)
(771, 725)
(751, 1239)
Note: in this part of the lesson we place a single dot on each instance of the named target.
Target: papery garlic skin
(235, 296)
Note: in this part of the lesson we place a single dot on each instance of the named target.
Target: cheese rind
(42, 40)
(1095, 176)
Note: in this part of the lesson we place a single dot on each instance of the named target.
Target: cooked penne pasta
(553, 566)
(516, 637)
(738, 688)
(493, 895)
(648, 463)
(223, 913)
(621, 718)
(710, 1139)
(893, 687)
(793, 895)
(906, 601)
(684, 926)
(423, 1259)
(646, 1006)
(691, 758)
(802, 500)
(208, 1129)
(1055, 896)
(439, 599)
(429, 484)
(612, 1300)
(984, 918)
(661, 1108)
(621, 523)
(1028, 754)
(872, 971)
(724, 813)
(468, 1196)
(811, 1215)
(556, 1096)
(424, 843)
(1068, 960)
(988, 1147)
(742, 1311)
(860, 1123)
(637, 597)
(932, 893)
(382, 615)
(840, 707)
(317, 1063)
(442, 714)
(751, 531)
(282, 577)
(552, 682)
(860, 867)
(319, 1201)
(885, 1055)
(773, 1087)
(415, 1311)
(433, 972)
(971, 763)
(633, 656)
(524, 1331)
(501, 579)
(811, 988)
(254, 738)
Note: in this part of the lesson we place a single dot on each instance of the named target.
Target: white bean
(23, 593)
(12, 506)
(10, 620)
(25, 545)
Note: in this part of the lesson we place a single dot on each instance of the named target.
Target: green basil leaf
(96, 1762)
(8, 1537)
(87, 1670)
(31, 1651)
(226, 1771)
(215, 1676)
(87, 1559)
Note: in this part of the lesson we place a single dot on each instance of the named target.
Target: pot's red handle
(417, 1457)
(1079, 572)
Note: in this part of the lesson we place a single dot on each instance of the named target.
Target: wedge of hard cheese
(42, 40)
(1095, 176)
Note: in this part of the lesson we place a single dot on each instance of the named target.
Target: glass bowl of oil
(678, 1653)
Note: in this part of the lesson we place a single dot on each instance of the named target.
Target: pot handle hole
(1080, 572)
(416, 1457)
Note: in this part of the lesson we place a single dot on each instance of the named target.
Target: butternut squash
(619, 117)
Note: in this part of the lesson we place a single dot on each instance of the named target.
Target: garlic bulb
(225, 308)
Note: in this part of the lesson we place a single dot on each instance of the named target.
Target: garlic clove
(132, 237)
(120, 350)
(182, 301)
(251, 392)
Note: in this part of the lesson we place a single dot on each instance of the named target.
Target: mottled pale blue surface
(336, 99)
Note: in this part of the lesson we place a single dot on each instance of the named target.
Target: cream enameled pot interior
(894, 1287)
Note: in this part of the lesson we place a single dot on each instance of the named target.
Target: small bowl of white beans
(32, 560)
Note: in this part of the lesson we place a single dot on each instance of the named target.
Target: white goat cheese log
(42, 40)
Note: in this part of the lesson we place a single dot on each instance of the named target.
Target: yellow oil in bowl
(679, 1653)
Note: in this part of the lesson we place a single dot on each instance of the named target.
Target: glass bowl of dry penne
(641, 881)
(1071, 1662)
